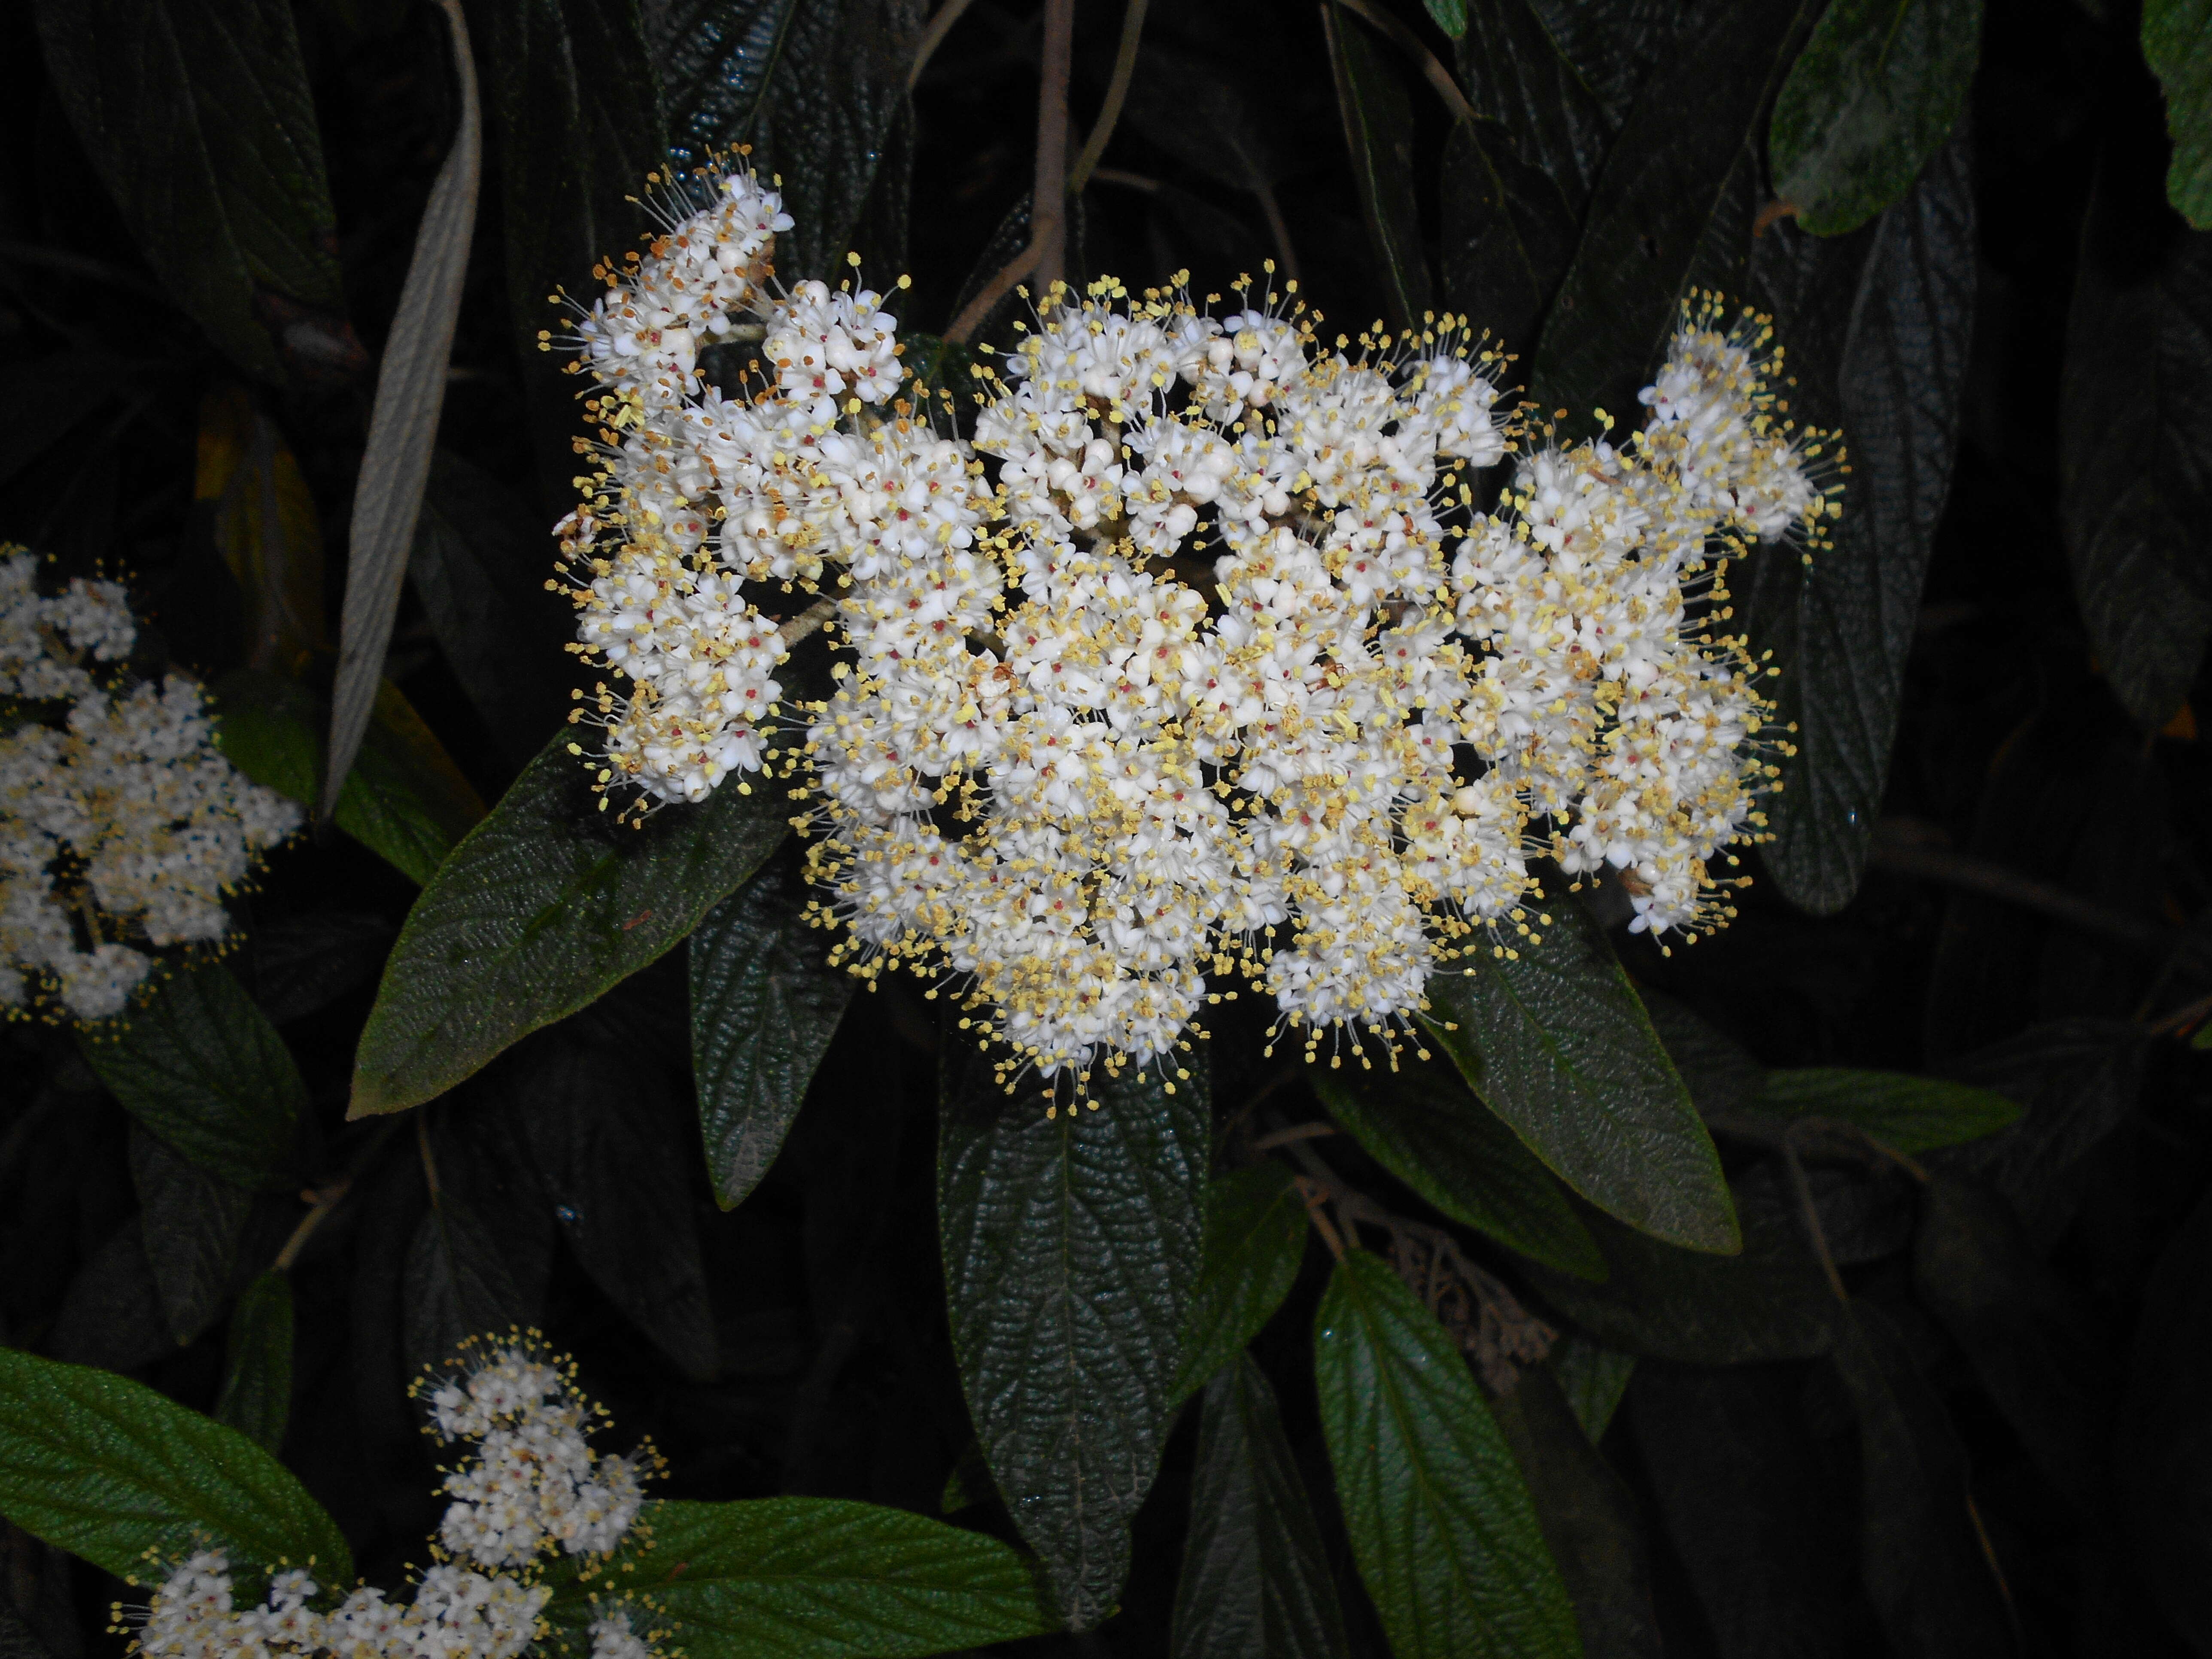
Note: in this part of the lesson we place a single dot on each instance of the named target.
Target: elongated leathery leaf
(257, 1363)
(1875, 92)
(1071, 1244)
(1378, 124)
(1905, 1114)
(1557, 1043)
(1664, 179)
(403, 799)
(764, 1004)
(191, 1219)
(821, 1578)
(199, 118)
(202, 1067)
(1767, 1301)
(1441, 1522)
(544, 906)
(827, 123)
(1840, 629)
(1255, 1236)
(108, 1470)
(2135, 449)
(2176, 43)
(714, 59)
(1420, 1123)
(1255, 1582)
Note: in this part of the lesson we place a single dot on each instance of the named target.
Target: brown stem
(1810, 1213)
(933, 36)
(326, 1200)
(1974, 875)
(1117, 91)
(1297, 1132)
(1048, 192)
(807, 621)
(1410, 42)
(996, 289)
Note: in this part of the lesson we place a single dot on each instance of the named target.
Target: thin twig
(1126, 179)
(933, 36)
(1410, 42)
(807, 621)
(1810, 1213)
(1048, 192)
(1974, 875)
(422, 1145)
(996, 289)
(1118, 90)
(1296, 1132)
(326, 1200)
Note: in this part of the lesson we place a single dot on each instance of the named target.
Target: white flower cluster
(121, 824)
(697, 494)
(535, 1487)
(1201, 657)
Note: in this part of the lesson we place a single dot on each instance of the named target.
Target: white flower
(534, 1488)
(122, 826)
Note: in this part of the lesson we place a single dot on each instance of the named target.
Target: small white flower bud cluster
(694, 494)
(1210, 663)
(121, 824)
(536, 1488)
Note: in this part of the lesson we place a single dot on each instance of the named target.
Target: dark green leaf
(1745, 1493)
(1441, 1522)
(611, 1142)
(108, 1470)
(2162, 1462)
(1664, 178)
(2135, 450)
(1256, 1237)
(826, 125)
(1877, 90)
(1608, 46)
(1255, 1582)
(1589, 1518)
(1905, 1114)
(764, 1004)
(18, 1640)
(1557, 1044)
(257, 1363)
(301, 965)
(1721, 1074)
(1550, 117)
(2041, 1350)
(1379, 125)
(202, 1067)
(1924, 1565)
(2177, 42)
(2078, 1078)
(404, 803)
(191, 1219)
(715, 58)
(822, 1578)
(1449, 16)
(544, 906)
(457, 1284)
(111, 1312)
(1189, 107)
(573, 100)
(480, 565)
(1508, 233)
(1072, 1247)
(1894, 377)
(1770, 1302)
(199, 120)
(1591, 1378)
(1420, 1122)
